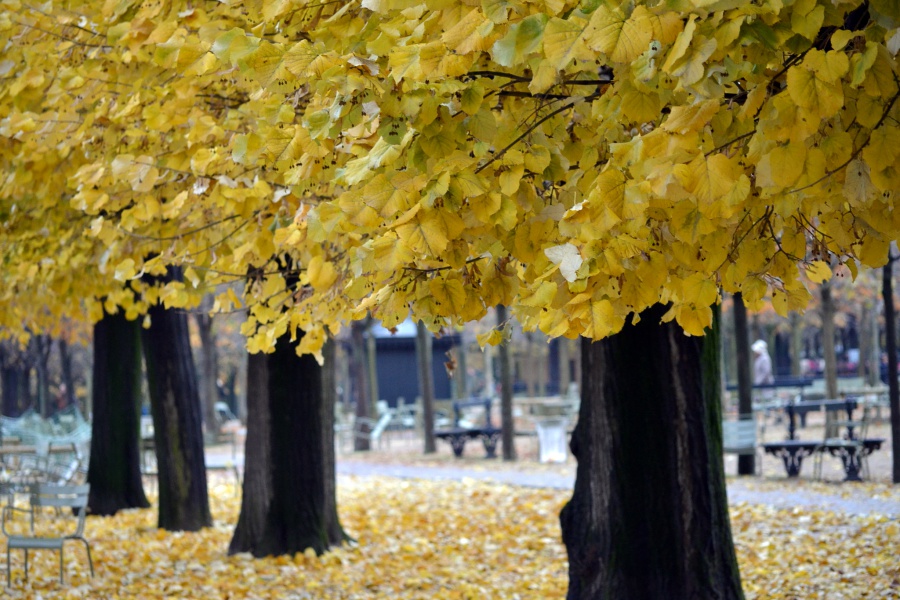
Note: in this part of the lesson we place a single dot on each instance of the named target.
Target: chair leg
(26, 564)
(8, 569)
(88, 548)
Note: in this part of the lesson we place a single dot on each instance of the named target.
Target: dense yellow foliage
(578, 161)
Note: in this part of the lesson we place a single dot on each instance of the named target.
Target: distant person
(762, 364)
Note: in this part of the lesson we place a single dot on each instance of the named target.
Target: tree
(209, 369)
(177, 421)
(507, 424)
(579, 163)
(890, 333)
(114, 471)
(648, 516)
(426, 385)
(289, 502)
(746, 464)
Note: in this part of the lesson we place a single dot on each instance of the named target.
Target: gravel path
(845, 499)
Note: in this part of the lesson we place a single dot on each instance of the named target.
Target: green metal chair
(59, 497)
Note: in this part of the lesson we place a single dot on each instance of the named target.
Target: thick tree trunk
(746, 463)
(177, 424)
(507, 425)
(115, 471)
(302, 512)
(648, 517)
(258, 487)
(890, 335)
(209, 367)
(426, 385)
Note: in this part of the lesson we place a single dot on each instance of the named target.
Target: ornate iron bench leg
(490, 444)
(458, 443)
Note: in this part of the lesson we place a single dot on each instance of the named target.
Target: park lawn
(428, 539)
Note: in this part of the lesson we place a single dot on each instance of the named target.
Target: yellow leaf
(430, 230)
(449, 295)
(125, 270)
(567, 258)
(564, 41)
(622, 38)
(604, 320)
(321, 273)
(693, 320)
(684, 119)
(818, 271)
(494, 337)
(700, 290)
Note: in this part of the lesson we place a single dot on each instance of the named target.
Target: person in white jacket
(762, 363)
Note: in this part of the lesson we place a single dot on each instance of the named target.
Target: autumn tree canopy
(577, 161)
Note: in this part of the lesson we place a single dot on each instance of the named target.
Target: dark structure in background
(396, 360)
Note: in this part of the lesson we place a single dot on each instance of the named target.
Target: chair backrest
(60, 496)
(63, 496)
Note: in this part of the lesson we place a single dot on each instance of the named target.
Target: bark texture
(648, 518)
(301, 511)
(115, 471)
(257, 486)
(177, 422)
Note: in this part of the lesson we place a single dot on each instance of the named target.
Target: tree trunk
(565, 366)
(209, 367)
(746, 463)
(507, 425)
(865, 340)
(115, 467)
(648, 517)
(828, 351)
(361, 388)
(65, 363)
(426, 385)
(178, 430)
(796, 343)
(302, 512)
(9, 387)
(372, 364)
(40, 350)
(890, 335)
(258, 487)
(490, 386)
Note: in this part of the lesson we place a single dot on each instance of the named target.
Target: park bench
(457, 435)
(69, 503)
(852, 449)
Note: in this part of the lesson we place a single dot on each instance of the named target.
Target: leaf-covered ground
(466, 539)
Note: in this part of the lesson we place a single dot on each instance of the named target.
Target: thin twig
(525, 133)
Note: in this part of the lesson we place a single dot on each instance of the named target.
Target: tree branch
(548, 116)
(856, 152)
